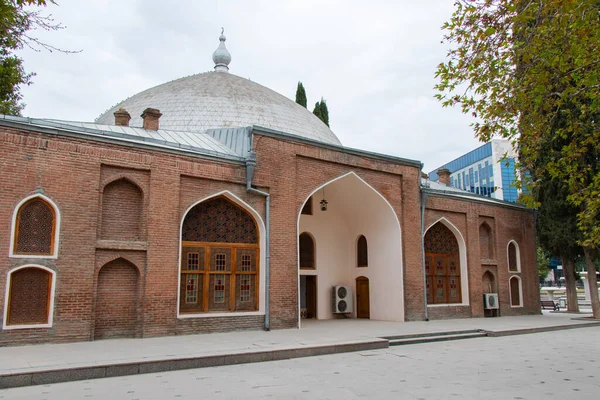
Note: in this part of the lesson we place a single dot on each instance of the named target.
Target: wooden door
(311, 297)
(363, 308)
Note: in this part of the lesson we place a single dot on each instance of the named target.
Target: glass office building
(488, 170)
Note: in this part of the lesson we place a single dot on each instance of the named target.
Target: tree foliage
(543, 262)
(321, 111)
(529, 71)
(324, 112)
(301, 95)
(317, 110)
(17, 22)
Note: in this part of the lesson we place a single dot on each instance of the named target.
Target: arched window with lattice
(30, 295)
(442, 266)
(35, 227)
(219, 258)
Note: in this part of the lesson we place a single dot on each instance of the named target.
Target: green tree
(16, 24)
(324, 112)
(557, 232)
(321, 111)
(529, 71)
(301, 95)
(317, 110)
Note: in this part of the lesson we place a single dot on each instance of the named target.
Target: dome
(222, 100)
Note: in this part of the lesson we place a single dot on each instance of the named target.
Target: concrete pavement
(547, 365)
(50, 363)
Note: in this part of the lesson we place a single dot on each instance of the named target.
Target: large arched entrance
(220, 259)
(356, 235)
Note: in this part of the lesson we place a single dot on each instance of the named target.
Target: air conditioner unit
(342, 299)
(490, 301)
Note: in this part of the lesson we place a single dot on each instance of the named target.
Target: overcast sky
(372, 61)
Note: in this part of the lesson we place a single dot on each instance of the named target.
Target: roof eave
(474, 197)
(109, 137)
(330, 146)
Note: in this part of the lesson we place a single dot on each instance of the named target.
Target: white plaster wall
(332, 242)
(356, 209)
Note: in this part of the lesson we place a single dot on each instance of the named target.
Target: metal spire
(221, 56)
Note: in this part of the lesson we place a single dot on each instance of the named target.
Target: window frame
(235, 276)
(50, 318)
(15, 226)
(446, 277)
(314, 252)
(358, 255)
(517, 256)
(518, 278)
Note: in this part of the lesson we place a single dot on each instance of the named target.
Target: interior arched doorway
(353, 209)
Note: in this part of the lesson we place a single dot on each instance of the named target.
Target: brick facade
(121, 209)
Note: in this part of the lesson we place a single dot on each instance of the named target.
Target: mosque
(212, 203)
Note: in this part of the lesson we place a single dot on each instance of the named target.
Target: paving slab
(49, 363)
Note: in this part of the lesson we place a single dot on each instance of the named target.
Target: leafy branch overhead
(529, 71)
(17, 24)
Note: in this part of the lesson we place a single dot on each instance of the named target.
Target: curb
(526, 331)
(144, 367)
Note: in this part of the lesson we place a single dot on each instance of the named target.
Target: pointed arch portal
(354, 209)
(443, 240)
(221, 258)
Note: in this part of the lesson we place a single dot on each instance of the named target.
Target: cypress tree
(317, 110)
(301, 95)
(324, 112)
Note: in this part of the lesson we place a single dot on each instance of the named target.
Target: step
(430, 334)
(436, 338)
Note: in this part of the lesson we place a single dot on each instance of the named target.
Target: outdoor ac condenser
(490, 301)
(342, 299)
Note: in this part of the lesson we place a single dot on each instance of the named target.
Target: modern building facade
(211, 203)
(488, 170)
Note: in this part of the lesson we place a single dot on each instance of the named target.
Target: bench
(550, 304)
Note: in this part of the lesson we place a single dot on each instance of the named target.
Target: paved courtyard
(560, 364)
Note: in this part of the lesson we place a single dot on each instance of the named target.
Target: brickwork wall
(122, 211)
(116, 312)
(506, 223)
(75, 173)
(293, 172)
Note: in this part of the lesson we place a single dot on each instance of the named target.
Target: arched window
(362, 254)
(514, 262)
(515, 291)
(307, 209)
(219, 259)
(486, 243)
(442, 266)
(30, 297)
(35, 229)
(307, 251)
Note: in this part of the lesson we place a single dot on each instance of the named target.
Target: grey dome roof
(221, 100)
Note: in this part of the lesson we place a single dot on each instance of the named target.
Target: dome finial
(221, 56)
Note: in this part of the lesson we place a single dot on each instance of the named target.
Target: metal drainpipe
(423, 199)
(250, 165)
